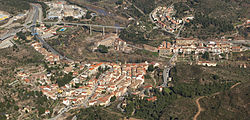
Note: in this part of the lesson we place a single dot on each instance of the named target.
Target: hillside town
(195, 46)
(68, 66)
(98, 81)
(164, 18)
(115, 80)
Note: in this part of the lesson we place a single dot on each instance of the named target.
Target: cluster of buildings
(30, 76)
(49, 57)
(60, 9)
(113, 82)
(115, 42)
(194, 46)
(163, 17)
(47, 32)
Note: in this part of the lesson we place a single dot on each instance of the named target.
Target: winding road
(199, 107)
(198, 99)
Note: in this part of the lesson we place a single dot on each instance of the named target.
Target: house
(122, 91)
(120, 44)
(47, 112)
(148, 87)
(104, 101)
(152, 99)
(67, 70)
(207, 63)
(236, 49)
(66, 101)
(112, 88)
(92, 102)
(185, 41)
(94, 68)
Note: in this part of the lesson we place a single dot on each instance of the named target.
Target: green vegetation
(65, 79)
(147, 53)
(205, 56)
(182, 10)
(244, 31)
(188, 83)
(102, 49)
(227, 105)
(70, 19)
(45, 7)
(151, 68)
(119, 2)
(180, 109)
(131, 35)
(113, 99)
(14, 6)
(213, 18)
(23, 37)
(147, 109)
(95, 113)
(147, 76)
(192, 90)
(146, 7)
(101, 70)
(88, 15)
(18, 6)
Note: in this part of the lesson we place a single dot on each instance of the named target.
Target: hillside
(14, 6)
(232, 104)
(212, 18)
(215, 18)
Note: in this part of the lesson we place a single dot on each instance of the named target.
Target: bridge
(87, 25)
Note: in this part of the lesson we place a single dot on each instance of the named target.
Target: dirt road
(199, 106)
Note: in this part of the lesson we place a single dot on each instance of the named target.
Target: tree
(41, 110)
(65, 80)
(113, 99)
(150, 68)
(119, 2)
(216, 77)
(102, 49)
(69, 18)
(16, 107)
(21, 35)
(205, 55)
(88, 15)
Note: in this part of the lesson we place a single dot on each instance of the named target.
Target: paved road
(12, 33)
(8, 23)
(167, 70)
(25, 25)
(177, 36)
(6, 43)
(38, 37)
(81, 24)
